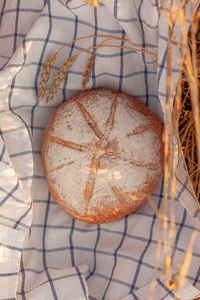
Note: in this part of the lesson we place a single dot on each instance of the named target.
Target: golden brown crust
(105, 212)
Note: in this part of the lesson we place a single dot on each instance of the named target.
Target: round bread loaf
(102, 155)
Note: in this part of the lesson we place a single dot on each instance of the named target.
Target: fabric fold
(68, 284)
(11, 245)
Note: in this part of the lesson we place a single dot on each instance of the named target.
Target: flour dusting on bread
(102, 155)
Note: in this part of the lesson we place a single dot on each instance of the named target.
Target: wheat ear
(87, 70)
(90, 62)
(94, 3)
(45, 76)
(60, 76)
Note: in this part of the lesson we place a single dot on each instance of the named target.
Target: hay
(187, 131)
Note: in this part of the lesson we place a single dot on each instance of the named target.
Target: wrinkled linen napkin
(44, 253)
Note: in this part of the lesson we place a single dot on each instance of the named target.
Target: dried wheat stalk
(88, 70)
(45, 76)
(66, 66)
(58, 79)
(60, 76)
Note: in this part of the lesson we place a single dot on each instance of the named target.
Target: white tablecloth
(44, 253)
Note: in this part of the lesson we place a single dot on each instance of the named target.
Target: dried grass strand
(181, 278)
(105, 36)
(156, 265)
(168, 152)
(123, 47)
(170, 23)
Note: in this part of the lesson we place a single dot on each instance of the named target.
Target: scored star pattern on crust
(100, 149)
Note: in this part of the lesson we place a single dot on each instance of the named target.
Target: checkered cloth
(44, 253)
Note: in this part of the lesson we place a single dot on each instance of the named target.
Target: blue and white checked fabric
(44, 253)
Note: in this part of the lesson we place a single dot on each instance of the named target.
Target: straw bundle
(187, 131)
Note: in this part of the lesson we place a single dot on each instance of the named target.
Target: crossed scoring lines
(100, 150)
